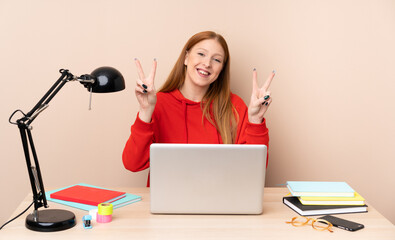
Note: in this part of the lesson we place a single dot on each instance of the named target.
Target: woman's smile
(203, 73)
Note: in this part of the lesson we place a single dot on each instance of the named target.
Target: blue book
(320, 189)
(128, 199)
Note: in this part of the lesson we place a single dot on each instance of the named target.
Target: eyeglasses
(317, 224)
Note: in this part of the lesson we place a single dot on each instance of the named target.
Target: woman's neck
(193, 93)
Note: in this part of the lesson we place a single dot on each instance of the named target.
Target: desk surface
(136, 222)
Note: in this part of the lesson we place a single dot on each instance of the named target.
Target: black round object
(107, 79)
(51, 220)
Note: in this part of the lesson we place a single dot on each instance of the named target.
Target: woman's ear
(186, 58)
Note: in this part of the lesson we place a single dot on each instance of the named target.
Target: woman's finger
(153, 70)
(266, 97)
(269, 81)
(141, 84)
(254, 81)
(264, 102)
(268, 102)
(139, 89)
(139, 69)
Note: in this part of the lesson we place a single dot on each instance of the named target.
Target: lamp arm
(33, 170)
(23, 123)
(42, 104)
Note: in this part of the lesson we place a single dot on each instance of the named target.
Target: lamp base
(50, 220)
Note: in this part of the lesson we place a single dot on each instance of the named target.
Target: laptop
(207, 178)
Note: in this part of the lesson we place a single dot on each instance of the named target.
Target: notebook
(128, 199)
(311, 210)
(356, 200)
(316, 189)
(207, 178)
(86, 195)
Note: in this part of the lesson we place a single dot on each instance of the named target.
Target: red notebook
(86, 195)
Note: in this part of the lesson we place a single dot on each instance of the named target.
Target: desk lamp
(101, 80)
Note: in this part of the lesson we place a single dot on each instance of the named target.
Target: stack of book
(87, 197)
(319, 198)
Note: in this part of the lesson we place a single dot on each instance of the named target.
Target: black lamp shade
(107, 79)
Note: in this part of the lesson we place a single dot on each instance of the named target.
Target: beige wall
(332, 117)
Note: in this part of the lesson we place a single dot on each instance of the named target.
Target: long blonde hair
(218, 94)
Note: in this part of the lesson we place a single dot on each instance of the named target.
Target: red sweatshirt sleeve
(135, 155)
(251, 133)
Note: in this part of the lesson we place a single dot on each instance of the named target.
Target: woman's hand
(260, 99)
(145, 92)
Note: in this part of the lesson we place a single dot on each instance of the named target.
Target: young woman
(195, 104)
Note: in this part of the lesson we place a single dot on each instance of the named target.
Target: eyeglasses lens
(299, 221)
(322, 225)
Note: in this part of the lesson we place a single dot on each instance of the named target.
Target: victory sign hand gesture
(145, 91)
(260, 99)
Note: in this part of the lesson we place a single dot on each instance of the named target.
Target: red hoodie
(179, 120)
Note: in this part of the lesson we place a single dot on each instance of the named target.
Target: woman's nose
(207, 62)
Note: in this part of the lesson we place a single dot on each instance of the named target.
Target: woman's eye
(217, 60)
(201, 54)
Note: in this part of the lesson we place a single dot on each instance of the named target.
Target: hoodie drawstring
(184, 109)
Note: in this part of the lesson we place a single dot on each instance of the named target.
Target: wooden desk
(136, 222)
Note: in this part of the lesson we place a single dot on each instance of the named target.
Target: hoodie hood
(178, 95)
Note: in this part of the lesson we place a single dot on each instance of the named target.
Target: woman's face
(204, 63)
